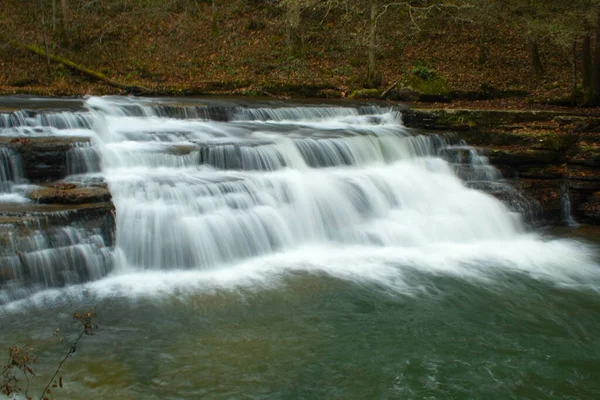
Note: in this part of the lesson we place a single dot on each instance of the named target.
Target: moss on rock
(365, 94)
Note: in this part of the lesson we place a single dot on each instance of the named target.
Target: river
(270, 250)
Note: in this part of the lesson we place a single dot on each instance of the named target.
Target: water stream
(303, 251)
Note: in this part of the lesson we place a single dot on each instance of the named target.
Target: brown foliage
(21, 359)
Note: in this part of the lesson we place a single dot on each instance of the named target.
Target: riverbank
(174, 48)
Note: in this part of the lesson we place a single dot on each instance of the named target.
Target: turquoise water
(318, 337)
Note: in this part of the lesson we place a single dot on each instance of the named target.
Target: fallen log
(79, 68)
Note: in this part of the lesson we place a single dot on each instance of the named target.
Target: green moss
(365, 94)
(435, 85)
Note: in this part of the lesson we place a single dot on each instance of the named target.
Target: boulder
(425, 88)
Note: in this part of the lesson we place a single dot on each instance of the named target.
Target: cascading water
(11, 171)
(203, 187)
(201, 193)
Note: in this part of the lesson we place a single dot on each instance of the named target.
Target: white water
(336, 190)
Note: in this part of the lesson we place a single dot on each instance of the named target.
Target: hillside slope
(172, 46)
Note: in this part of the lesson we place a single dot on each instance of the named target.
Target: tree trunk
(586, 68)
(483, 51)
(294, 11)
(49, 67)
(586, 62)
(65, 13)
(372, 71)
(215, 18)
(534, 58)
(596, 72)
(574, 73)
(53, 15)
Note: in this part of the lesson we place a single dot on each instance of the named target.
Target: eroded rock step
(49, 245)
(55, 232)
(76, 118)
(53, 157)
(551, 156)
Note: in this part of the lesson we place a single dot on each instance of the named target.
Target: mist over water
(290, 251)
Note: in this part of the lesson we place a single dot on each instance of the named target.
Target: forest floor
(173, 49)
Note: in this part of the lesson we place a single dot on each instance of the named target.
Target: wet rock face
(552, 157)
(44, 158)
(60, 229)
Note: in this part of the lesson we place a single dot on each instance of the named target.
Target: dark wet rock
(44, 158)
(55, 245)
(590, 209)
(66, 234)
(542, 171)
(514, 198)
(470, 119)
(517, 155)
(548, 194)
(23, 219)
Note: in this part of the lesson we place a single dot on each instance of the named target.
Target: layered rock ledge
(553, 157)
(64, 230)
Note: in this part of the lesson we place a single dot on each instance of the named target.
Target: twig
(386, 91)
(72, 350)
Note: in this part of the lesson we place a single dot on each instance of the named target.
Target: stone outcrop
(65, 232)
(44, 158)
(553, 157)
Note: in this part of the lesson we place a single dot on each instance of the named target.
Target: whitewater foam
(261, 194)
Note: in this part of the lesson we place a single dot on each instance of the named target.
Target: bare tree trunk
(215, 18)
(65, 13)
(53, 15)
(534, 58)
(483, 51)
(294, 13)
(371, 71)
(586, 68)
(49, 67)
(574, 72)
(586, 58)
(596, 71)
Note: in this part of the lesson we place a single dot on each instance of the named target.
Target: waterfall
(11, 170)
(206, 186)
(200, 193)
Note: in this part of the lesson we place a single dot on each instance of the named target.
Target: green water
(312, 336)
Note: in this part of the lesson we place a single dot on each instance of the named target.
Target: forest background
(544, 52)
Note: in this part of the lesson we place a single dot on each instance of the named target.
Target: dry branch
(387, 91)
